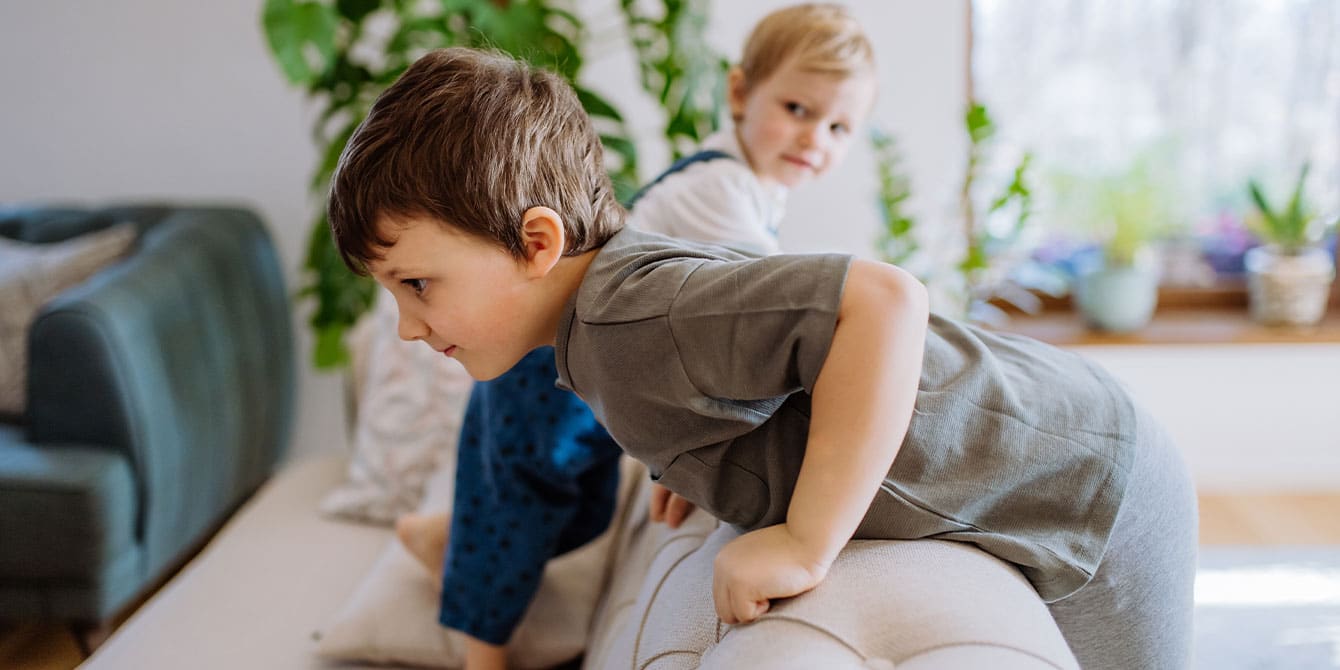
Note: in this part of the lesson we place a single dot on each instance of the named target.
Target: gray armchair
(160, 393)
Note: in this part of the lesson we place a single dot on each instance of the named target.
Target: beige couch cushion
(31, 275)
(392, 617)
(924, 604)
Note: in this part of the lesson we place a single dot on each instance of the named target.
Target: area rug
(1268, 607)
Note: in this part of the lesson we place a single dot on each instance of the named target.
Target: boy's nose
(410, 328)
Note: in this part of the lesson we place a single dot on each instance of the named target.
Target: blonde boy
(804, 85)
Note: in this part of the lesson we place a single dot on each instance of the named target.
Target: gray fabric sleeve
(758, 329)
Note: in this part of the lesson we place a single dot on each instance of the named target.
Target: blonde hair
(820, 37)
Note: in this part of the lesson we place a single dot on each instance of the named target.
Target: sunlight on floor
(1328, 634)
(1284, 585)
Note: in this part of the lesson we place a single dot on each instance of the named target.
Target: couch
(159, 396)
(262, 592)
(274, 589)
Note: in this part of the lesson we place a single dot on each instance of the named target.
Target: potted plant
(1116, 288)
(1288, 277)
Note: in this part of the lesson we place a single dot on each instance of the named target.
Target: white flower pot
(1119, 299)
(1288, 289)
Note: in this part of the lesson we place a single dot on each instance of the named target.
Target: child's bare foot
(425, 536)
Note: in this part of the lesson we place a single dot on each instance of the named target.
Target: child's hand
(667, 506)
(758, 566)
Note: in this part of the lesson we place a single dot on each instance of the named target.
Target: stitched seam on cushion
(672, 652)
(666, 544)
(996, 645)
(813, 626)
(615, 607)
(642, 625)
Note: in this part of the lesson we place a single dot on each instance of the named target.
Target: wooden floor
(35, 647)
(1300, 519)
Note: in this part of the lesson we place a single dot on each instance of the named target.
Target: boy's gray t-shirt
(700, 362)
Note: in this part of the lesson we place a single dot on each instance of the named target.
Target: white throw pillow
(410, 402)
(31, 275)
(392, 615)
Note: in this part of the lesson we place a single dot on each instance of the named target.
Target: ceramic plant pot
(1117, 299)
(1288, 289)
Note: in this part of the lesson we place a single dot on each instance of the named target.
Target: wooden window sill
(1184, 317)
(1179, 326)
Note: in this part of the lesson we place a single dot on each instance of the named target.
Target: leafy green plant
(997, 265)
(1136, 215)
(678, 68)
(897, 243)
(346, 52)
(985, 242)
(1126, 211)
(1293, 227)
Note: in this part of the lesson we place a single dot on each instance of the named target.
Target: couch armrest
(181, 358)
(80, 496)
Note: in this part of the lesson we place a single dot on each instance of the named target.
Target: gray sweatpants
(1136, 613)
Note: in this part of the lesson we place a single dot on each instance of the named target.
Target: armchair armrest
(180, 358)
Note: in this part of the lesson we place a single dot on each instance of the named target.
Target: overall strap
(700, 157)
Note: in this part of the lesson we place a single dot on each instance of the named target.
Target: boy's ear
(544, 237)
(737, 89)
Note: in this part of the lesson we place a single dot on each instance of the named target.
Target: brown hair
(822, 37)
(472, 139)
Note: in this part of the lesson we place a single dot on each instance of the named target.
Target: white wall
(180, 100)
(161, 99)
(1252, 417)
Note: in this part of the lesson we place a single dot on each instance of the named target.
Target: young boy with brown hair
(807, 399)
(532, 456)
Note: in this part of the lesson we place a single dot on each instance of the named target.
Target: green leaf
(978, 122)
(294, 31)
(330, 351)
(1289, 227)
(356, 10)
(622, 146)
(597, 106)
(1259, 199)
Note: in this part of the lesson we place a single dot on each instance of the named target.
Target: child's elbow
(889, 290)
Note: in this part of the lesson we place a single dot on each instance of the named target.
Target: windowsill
(1174, 326)
(1184, 316)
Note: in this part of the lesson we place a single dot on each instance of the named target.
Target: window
(1212, 91)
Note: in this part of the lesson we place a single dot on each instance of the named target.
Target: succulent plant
(1293, 227)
